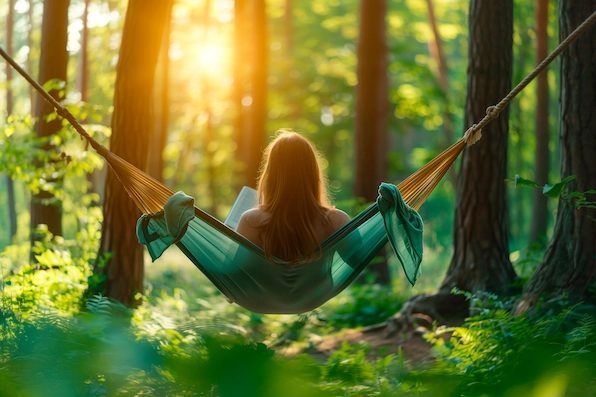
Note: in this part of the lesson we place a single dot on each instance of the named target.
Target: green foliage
(496, 352)
(57, 280)
(362, 305)
(578, 200)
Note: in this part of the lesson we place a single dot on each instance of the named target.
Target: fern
(98, 304)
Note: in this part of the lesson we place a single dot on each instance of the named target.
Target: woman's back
(252, 221)
(294, 215)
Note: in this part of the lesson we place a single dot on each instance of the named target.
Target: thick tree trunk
(541, 165)
(569, 264)
(12, 212)
(480, 261)
(132, 123)
(481, 258)
(258, 125)
(372, 110)
(157, 143)
(52, 65)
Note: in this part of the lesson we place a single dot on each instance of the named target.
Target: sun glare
(209, 59)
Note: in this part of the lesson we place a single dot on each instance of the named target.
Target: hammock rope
(151, 195)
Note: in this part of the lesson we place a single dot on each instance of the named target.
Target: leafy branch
(578, 200)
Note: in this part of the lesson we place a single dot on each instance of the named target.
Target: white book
(246, 200)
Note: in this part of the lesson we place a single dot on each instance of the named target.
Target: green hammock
(238, 268)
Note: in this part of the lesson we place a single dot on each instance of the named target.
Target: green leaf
(9, 130)
(519, 181)
(51, 116)
(554, 191)
(54, 84)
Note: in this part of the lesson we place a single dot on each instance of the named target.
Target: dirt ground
(415, 349)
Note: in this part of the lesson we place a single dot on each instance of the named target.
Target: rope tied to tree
(474, 133)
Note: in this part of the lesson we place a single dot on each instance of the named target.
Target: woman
(294, 215)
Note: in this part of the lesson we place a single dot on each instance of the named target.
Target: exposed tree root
(421, 311)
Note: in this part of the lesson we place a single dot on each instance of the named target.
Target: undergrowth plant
(496, 352)
(576, 199)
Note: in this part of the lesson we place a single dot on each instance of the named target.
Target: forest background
(310, 88)
(215, 91)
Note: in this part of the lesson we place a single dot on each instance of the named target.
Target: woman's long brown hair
(293, 191)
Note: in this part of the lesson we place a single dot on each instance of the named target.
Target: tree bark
(52, 65)
(155, 163)
(372, 110)
(132, 122)
(481, 258)
(541, 165)
(258, 125)
(569, 264)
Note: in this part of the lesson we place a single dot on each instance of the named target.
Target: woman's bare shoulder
(249, 224)
(338, 218)
(254, 217)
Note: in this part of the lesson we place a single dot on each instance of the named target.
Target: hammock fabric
(238, 268)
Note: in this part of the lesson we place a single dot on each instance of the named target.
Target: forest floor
(415, 349)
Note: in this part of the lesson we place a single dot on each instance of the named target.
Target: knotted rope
(474, 133)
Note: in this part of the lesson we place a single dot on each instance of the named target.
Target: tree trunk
(132, 123)
(52, 65)
(541, 165)
(11, 206)
(258, 125)
(569, 264)
(372, 111)
(481, 258)
(157, 143)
